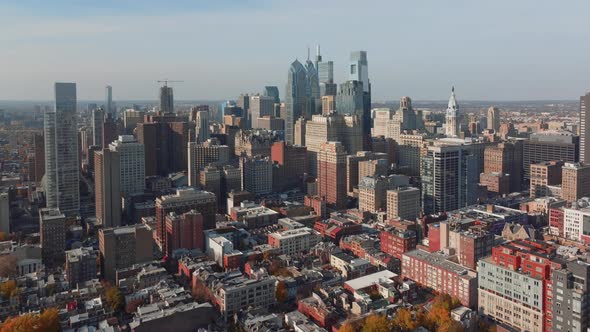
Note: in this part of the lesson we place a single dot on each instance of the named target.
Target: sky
(489, 50)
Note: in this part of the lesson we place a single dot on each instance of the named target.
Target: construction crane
(165, 81)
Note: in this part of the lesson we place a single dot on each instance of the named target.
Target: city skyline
(485, 50)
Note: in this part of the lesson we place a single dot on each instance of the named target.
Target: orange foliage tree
(48, 321)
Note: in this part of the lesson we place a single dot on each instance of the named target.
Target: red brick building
(290, 165)
(331, 174)
(556, 222)
(184, 231)
(396, 242)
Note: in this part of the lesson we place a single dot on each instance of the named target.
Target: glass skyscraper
(61, 151)
(295, 101)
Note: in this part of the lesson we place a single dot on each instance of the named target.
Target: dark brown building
(505, 158)
(39, 146)
(290, 164)
(166, 145)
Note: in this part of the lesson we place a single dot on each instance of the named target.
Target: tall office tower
(182, 201)
(272, 91)
(359, 68)
(328, 104)
(166, 144)
(256, 174)
(61, 152)
(231, 181)
(201, 155)
(585, 128)
(382, 118)
(39, 148)
(210, 179)
(131, 118)
(166, 100)
(260, 106)
(97, 122)
(52, 228)
(359, 71)
(452, 116)
(575, 181)
(184, 231)
(346, 129)
(243, 102)
(326, 72)
(331, 174)
(373, 193)
(202, 126)
(312, 90)
(132, 160)
(350, 98)
(550, 145)
(543, 176)
(122, 247)
(376, 166)
(299, 134)
(295, 98)
(290, 165)
(107, 187)
(4, 212)
(108, 103)
(506, 158)
(109, 130)
(409, 152)
(403, 203)
(450, 176)
(493, 118)
(352, 169)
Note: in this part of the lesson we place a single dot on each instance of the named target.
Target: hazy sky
(490, 50)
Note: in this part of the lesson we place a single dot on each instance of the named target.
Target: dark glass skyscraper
(272, 91)
(166, 100)
(295, 100)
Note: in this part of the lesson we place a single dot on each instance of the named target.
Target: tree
(48, 321)
(347, 327)
(376, 323)
(404, 321)
(115, 298)
(281, 292)
(7, 266)
(7, 287)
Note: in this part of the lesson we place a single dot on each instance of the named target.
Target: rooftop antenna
(165, 81)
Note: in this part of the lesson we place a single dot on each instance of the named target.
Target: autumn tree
(47, 321)
(131, 306)
(7, 287)
(7, 266)
(404, 322)
(376, 323)
(115, 298)
(200, 292)
(347, 327)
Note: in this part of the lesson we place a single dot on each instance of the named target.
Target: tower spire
(307, 53)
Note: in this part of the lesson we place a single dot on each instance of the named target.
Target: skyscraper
(312, 89)
(166, 100)
(331, 174)
(108, 104)
(202, 126)
(107, 178)
(350, 98)
(294, 98)
(132, 160)
(359, 71)
(272, 91)
(493, 118)
(450, 175)
(201, 155)
(52, 228)
(260, 106)
(61, 151)
(585, 128)
(452, 121)
(109, 130)
(97, 122)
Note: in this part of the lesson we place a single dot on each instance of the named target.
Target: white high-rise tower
(452, 122)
